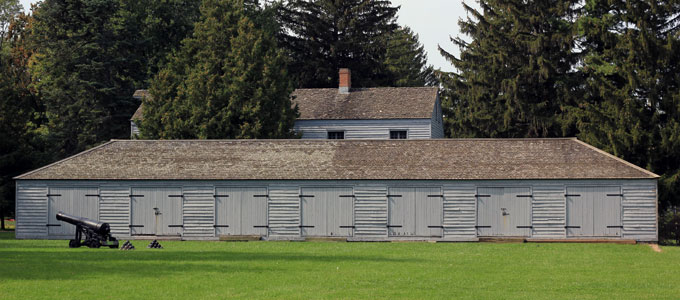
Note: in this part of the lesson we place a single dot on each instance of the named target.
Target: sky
(435, 21)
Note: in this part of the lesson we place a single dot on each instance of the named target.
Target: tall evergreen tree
(513, 79)
(229, 80)
(84, 72)
(631, 65)
(406, 60)
(159, 26)
(323, 36)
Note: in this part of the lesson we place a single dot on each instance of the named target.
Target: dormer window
(398, 134)
(336, 135)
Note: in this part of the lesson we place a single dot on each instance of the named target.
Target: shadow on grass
(88, 263)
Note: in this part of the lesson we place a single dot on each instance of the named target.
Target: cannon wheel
(95, 244)
(73, 244)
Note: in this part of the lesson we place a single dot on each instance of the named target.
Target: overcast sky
(434, 21)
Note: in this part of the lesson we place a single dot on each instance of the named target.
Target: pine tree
(630, 65)
(406, 60)
(159, 26)
(84, 72)
(229, 80)
(513, 77)
(323, 36)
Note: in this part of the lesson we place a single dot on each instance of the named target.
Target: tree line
(605, 71)
(214, 68)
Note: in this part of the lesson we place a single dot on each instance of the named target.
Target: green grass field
(295, 270)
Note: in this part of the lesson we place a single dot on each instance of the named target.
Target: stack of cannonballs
(127, 246)
(155, 245)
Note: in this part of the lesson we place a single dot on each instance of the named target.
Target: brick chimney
(345, 81)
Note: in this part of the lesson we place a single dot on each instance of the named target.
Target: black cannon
(97, 233)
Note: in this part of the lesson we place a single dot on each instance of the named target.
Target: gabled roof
(359, 104)
(366, 104)
(139, 95)
(446, 159)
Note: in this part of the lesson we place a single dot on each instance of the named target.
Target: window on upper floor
(336, 135)
(398, 134)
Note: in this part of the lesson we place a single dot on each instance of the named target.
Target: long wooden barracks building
(371, 166)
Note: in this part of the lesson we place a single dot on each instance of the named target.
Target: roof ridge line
(634, 166)
(65, 159)
(355, 141)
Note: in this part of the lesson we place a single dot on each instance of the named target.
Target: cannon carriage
(96, 233)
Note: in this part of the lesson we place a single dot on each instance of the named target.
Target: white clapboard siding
(370, 211)
(364, 129)
(281, 210)
(549, 211)
(134, 129)
(31, 211)
(284, 211)
(639, 211)
(198, 211)
(459, 210)
(114, 208)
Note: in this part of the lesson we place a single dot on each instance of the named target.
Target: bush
(669, 227)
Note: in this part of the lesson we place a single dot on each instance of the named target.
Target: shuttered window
(336, 135)
(398, 134)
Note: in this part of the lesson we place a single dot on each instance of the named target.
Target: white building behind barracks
(364, 113)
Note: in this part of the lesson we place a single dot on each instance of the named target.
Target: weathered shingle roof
(139, 95)
(363, 104)
(359, 104)
(450, 159)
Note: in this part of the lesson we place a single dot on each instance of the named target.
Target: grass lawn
(218, 270)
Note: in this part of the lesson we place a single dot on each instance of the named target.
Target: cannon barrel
(96, 226)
